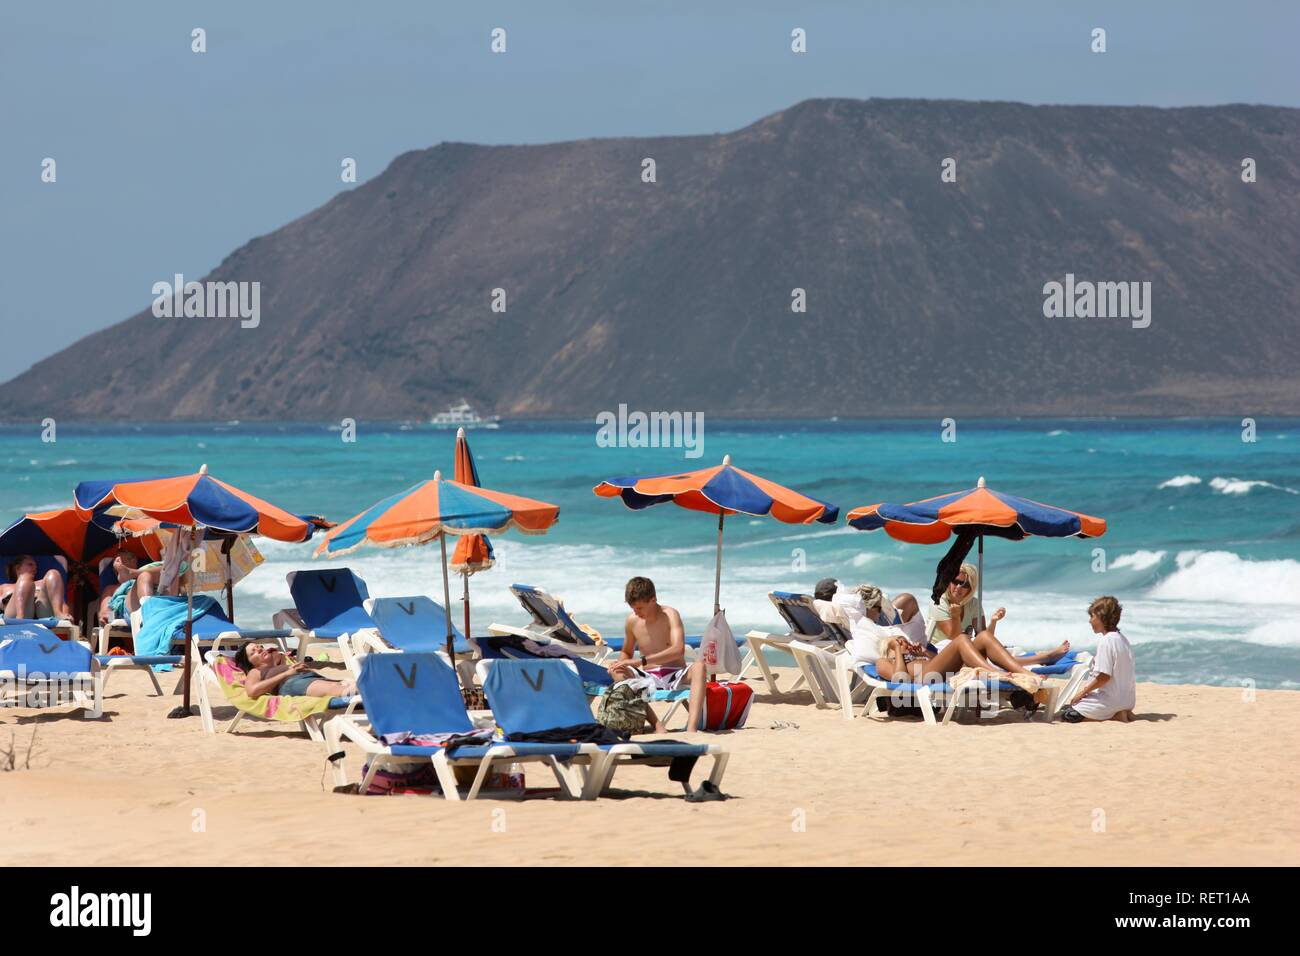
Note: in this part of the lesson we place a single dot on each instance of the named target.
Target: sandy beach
(1203, 776)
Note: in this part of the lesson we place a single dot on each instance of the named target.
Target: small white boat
(463, 416)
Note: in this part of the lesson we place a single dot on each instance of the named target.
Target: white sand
(1202, 777)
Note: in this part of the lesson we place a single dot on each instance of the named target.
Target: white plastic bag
(718, 647)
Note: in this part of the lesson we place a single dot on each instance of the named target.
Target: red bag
(726, 705)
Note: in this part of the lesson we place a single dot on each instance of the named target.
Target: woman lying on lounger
(268, 671)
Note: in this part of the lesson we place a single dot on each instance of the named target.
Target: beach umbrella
(82, 543)
(197, 504)
(976, 512)
(721, 490)
(473, 551)
(432, 510)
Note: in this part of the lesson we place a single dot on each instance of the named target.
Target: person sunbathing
(133, 586)
(30, 597)
(654, 646)
(958, 613)
(268, 671)
(901, 660)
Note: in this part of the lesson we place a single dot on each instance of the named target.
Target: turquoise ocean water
(1203, 547)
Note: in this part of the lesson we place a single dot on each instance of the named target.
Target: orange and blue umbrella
(196, 500)
(980, 511)
(721, 490)
(435, 509)
(64, 533)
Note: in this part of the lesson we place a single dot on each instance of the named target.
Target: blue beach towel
(163, 617)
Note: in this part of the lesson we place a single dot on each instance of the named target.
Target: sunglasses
(962, 584)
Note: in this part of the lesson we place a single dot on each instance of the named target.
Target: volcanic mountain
(920, 296)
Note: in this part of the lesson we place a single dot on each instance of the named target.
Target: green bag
(623, 709)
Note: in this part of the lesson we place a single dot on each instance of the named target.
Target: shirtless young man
(655, 644)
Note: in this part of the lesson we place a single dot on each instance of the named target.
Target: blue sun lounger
(414, 624)
(418, 694)
(327, 603)
(38, 668)
(925, 696)
(531, 696)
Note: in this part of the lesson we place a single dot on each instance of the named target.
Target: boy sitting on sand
(654, 647)
(1111, 691)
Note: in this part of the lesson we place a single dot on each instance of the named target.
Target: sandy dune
(1204, 776)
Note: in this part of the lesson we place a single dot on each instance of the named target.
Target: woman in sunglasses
(958, 613)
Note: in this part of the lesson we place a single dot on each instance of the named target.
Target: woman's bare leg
(957, 651)
(1046, 657)
(330, 688)
(54, 597)
(22, 600)
(990, 646)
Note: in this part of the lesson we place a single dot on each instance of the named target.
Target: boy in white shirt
(1111, 690)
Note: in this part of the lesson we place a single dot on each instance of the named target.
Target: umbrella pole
(982, 625)
(446, 601)
(465, 577)
(184, 709)
(230, 580)
(717, 575)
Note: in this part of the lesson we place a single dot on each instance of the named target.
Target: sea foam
(1226, 577)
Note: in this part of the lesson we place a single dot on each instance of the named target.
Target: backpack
(623, 709)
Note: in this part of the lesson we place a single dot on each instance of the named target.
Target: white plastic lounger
(1062, 677)
(806, 627)
(206, 678)
(418, 694)
(550, 623)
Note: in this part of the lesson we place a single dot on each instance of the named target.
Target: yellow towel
(268, 706)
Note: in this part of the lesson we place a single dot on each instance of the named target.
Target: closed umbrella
(473, 551)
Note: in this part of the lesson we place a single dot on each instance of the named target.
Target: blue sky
(168, 160)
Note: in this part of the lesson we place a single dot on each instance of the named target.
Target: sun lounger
(37, 666)
(217, 669)
(596, 679)
(530, 696)
(415, 624)
(806, 626)
(418, 694)
(928, 696)
(65, 630)
(328, 603)
(551, 622)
